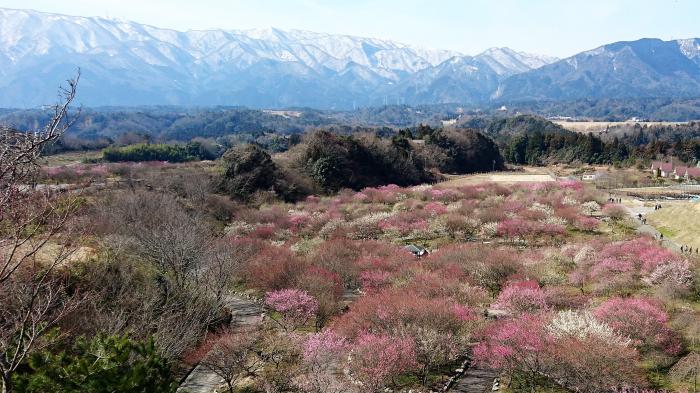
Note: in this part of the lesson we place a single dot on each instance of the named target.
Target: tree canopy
(104, 364)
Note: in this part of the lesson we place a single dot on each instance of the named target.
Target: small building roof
(415, 250)
(596, 174)
(680, 170)
(693, 172)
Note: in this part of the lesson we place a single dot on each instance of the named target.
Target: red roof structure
(693, 173)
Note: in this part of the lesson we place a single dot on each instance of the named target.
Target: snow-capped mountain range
(643, 68)
(127, 63)
(130, 63)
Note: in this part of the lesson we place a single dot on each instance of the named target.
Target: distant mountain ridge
(127, 63)
(627, 69)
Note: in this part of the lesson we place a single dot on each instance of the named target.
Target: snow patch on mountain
(125, 62)
(690, 47)
(506, 61)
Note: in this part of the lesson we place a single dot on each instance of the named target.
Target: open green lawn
(678, 221)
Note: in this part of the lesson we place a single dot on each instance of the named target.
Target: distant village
(659, 170)
(676, 172)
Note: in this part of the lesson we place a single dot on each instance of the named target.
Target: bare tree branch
(32, 298)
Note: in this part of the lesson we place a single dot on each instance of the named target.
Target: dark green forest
(160, 152)
(324, 162)
(328, 150)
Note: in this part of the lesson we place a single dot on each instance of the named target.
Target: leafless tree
(234, 357)
(184, 291)
(180, 324)
(141, 303)
(280, 353)
(687, 370)
(33, 298)
(164, 233)
(32, 304)
(19, 152)
(223, 266)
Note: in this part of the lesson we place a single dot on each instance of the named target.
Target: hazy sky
(553, 27)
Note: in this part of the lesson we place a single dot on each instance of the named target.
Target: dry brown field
(599, 126)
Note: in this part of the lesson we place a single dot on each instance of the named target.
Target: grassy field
(68, 158)
(678, 220)
(651, 192)
(51, 252)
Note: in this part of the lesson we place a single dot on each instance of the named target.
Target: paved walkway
(475, 380)
(634, 208)
(245, 313)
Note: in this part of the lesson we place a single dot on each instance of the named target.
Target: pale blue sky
(558, 28)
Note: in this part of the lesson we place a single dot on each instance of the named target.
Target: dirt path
(245, 313)
(497, 177)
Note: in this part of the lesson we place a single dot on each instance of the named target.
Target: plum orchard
(582, 304)
(580, 308)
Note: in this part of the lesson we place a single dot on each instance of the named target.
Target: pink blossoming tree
(296, 307)
(521, 297)
(323, 357)
(376, 359)
(516, 346)
(643, 320)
